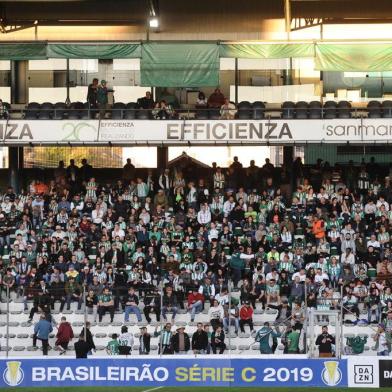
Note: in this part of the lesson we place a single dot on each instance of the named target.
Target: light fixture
(154, 23)
(36, 22)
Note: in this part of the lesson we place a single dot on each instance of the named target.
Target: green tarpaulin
(353, 57)
(179, 64)
(25, 51)
(266, 51)
(86, 51)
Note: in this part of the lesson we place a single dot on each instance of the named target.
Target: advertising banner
(363, 372)
(385, 373)
(151, 372)
(47, 131)
(194, 132)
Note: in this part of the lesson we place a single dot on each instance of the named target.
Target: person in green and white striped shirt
(165, 341)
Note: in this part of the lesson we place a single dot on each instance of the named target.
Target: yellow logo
(331, 374)
(13, 374)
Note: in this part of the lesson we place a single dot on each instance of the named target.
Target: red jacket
(246, 313)
(64, 333)
(192, 298)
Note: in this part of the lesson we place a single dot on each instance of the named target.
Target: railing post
(8, 322)
(161, 321)
(85, 313)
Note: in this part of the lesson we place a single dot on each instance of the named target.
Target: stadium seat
(244, 110)
(288, 110)
(301, 110)
(258, 110)
(374, 109)
(85, 113)
(142, 114)
(130, 111)
(214, 114)
(118, 110)
(315, 110)
(344, 109)
(59, 110)
(74, 112)
(46, 111)
(32, 110)
(201, 114)
(387, 109)
(329, 110)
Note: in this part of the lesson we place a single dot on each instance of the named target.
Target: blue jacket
(42, 329)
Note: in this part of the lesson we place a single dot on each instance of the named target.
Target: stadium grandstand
(195, 194)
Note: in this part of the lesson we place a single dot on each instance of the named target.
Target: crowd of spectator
(151, 246)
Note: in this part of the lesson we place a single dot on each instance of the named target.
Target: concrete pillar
(162, 157)
(19, 95)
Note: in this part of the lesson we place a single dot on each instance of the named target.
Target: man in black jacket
(89, 337)
(180, 341)
(82, 348)
(325, 342)
(144, 340)
(200, 340)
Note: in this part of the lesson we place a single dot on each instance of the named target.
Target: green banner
(87, 51)
(266, 51)
(25, 51)
(353, 57)
(179, 64)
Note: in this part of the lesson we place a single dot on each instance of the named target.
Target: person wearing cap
(102, 98)
(180, 341)
(266, 337)
(144, 341)
(74, 292)
(381, 341)
(125, 341)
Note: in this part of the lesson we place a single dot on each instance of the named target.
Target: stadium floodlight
(154, 23)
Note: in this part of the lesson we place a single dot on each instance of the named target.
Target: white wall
(5, 94)
(274, 94)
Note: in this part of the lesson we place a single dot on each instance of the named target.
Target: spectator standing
(82, 348)
(200, 340)
(112, 347)
(180, 341)
(144, 341)
(325, 342)
(265, 337)
(293, 341)
(42, 330)
(102, 98)
(129, 171)
(165, 341)
(381, 341)
(92, 94)
(89, 337)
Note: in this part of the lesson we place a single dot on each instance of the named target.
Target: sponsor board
(204, 132)
(151, 372)
(363, 372)
(385, 372)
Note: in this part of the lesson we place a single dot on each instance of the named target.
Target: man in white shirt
(204, 215)
(228, 206)
(373, 242)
